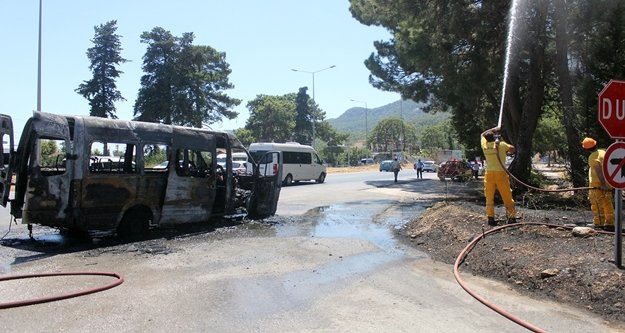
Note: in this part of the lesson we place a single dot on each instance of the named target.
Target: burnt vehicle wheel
(288, 180)
(322, 178)
(134, 225)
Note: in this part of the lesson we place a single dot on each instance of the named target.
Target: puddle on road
(373, 221)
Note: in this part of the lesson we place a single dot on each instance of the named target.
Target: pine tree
(101, 91)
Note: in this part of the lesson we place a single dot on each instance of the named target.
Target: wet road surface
(334, 268)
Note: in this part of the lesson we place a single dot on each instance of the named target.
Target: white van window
(291, 157)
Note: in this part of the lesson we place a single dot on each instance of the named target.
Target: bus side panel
(191, 184)
(187, 199)
(47, 178)
(104, 198)
(318, 167)
(46, 200)
(308, 167)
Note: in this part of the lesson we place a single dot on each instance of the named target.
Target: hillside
(353, 120)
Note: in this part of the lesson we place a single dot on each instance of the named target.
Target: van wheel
(322, 178)
(288, 180)
(134, 225)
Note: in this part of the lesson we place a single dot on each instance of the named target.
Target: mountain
(353, 120)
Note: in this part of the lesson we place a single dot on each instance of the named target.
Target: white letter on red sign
(606, 108)
(620, 112)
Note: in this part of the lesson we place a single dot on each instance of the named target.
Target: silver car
(429, 166)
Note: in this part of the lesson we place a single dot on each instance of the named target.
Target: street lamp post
(366, 121)
(313, 96)
(39, 62)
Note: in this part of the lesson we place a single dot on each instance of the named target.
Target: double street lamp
(366, 121)
(313, 116)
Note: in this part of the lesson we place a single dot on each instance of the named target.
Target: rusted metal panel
(188, 199)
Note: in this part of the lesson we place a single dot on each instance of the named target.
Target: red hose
(7, 305)
(463, 254)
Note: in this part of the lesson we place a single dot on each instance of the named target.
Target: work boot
(511, 220)
(491, 221)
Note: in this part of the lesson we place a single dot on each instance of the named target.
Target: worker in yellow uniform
(600, 194)
(496, 178)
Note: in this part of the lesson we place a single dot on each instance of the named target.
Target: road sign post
(618, 236)
(614, 173)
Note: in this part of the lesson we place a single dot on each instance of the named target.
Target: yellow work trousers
(601, 206)
(498, 180)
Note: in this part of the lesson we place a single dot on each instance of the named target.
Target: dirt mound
(545, 262)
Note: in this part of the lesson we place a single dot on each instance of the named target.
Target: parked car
(366, 161)
(429, 166)
(455, 170)
(239, 168)
(385, 165)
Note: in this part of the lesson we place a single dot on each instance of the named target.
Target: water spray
(511, 27)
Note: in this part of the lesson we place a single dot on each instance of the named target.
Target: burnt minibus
(98, 174)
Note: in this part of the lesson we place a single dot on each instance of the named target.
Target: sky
(263, 42)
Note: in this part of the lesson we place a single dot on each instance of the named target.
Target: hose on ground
(465, 252)
(119, 280)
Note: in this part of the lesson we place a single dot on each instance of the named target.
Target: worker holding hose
(496, 178)
(600, 193)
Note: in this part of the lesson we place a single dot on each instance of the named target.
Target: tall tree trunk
(533, 105)
(574, 150)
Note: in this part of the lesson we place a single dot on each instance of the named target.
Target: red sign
(613, 163)
(612, 109)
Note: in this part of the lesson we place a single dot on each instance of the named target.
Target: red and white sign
(613, 163)
(612, 109)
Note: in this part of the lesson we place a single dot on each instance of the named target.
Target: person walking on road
(395, 166)
(419, 167)
(496, 177)
(600, 194)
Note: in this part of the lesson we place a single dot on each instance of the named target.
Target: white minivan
(300, 162)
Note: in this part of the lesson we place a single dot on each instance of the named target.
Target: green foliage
(51, 155)
(183, 83)
(154, 158)
(101, 91)
(354, 121)
(562, 54)
(303, 131)
(272, 118)
(550, 134)
(341, 155)
(275, 118)
(325, 132)
(452, 64)
(598, 43)
(245, 136)
(439, 136)
(392, 134)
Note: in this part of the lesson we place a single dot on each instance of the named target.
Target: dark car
(455, 170)
(386, 165)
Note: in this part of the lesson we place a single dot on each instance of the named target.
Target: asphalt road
(328, 262)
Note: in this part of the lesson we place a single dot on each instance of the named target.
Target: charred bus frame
(98, 174)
